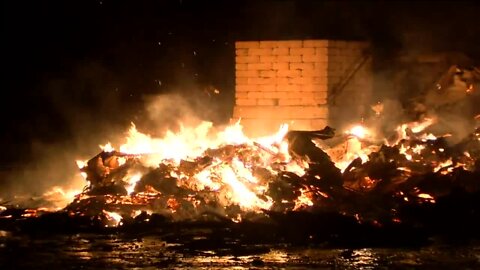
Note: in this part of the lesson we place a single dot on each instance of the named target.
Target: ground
(112, 251)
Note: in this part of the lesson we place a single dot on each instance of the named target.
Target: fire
(303, 200)
(204, 171)
(114, 218)
(81, 164)
(240, 193)
(175, 146)
(188, 142)
(470, 89)
(403, 151)
(354, 147)
(443, 165)
(416, 128)
(207, 168)
(358, 131)
(204, 181)
(59, 198)
(107, 147)
(232, 179)
(418, 149)
(426, 197)
(132, 181)
(297, 167)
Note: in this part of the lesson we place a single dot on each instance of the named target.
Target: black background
(72, 68)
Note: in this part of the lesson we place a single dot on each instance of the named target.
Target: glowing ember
(358, 131)
(403, 150)
(426, 197)
(237, 219)
(114, 219)
(303, 200)
(443, 165)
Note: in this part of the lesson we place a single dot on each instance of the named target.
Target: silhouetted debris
(388, 200)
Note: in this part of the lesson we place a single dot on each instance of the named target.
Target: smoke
(171, 111)
(53, 163)
(94, 103)
(79, 110)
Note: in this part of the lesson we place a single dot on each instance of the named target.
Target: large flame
(234, 179)
(240, 177)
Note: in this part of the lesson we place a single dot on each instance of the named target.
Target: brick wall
(289, 82)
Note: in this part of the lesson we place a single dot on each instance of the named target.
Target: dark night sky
(78, 67)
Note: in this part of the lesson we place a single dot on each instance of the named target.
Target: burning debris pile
(313, 179)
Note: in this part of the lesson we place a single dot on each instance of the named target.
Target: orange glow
(239, 171)
(240, 194)
(233, 180)
(132, 181)
(358, 131)
(303, 200)
(59, 198)
(427, 197)
(114, 218)
(107, 148)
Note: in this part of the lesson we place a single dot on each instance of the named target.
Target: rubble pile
(296, 184)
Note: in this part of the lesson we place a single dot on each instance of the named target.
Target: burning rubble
(412, 179)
